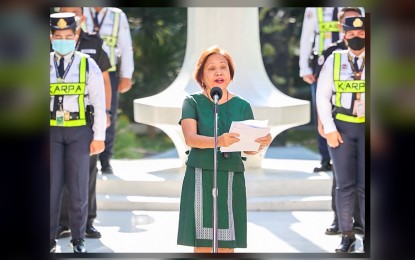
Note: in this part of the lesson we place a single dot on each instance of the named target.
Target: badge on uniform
(359, 108)
(59, 117)
(66, 116)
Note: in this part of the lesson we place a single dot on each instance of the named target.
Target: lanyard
(357, 74)
(66, 70)
(78, 42)
(97, 27)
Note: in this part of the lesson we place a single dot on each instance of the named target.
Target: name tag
(89, 51)
(59, 117)
(359, 108)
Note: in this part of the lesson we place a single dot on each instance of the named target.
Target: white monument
(237, 31)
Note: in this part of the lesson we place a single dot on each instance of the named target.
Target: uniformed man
(341, 108)
(320, 29)
(77, 126)
(91, 44)
(333, 229)
(112, 25)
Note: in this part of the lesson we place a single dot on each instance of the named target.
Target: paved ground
(156, 232)
(268, 232)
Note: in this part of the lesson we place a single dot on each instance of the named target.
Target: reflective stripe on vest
(325, 27)
(111, 41)
(346, 86)
(73, 89)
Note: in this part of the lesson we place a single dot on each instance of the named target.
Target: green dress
(196, 209)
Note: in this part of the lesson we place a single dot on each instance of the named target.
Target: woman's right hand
(227, 139)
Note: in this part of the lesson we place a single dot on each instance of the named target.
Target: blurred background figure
(112, 25)
(320, 29)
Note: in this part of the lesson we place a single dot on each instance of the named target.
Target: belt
(72, 115)
(342, 110)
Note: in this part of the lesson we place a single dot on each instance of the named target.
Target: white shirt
(94, 90)
(325, 94)
(124, 47)
(310, 34)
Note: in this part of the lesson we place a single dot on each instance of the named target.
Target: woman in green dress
(215, 68)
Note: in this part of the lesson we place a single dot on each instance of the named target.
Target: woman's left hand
(264, 141)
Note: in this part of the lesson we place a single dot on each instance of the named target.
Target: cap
(62, 21)
(354, 23)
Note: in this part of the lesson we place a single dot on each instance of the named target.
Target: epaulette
(340, 51)
(115, 9)
(92, 33)
(81, 54)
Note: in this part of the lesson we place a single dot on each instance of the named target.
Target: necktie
(61, 67)
(355, 65)
(356, 70)
(61, 71)
(335, 35)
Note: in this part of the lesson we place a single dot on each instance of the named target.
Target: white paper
(249, 131)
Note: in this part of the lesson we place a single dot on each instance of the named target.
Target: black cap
(62, 21)
(354, 23)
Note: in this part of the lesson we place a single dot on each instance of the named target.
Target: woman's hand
(264, 142)
(227, 139)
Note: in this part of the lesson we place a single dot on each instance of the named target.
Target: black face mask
(356, 43)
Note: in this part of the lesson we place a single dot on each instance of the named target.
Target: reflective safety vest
(111, 41)
(72, 89)
(345, 86)
(324, 27)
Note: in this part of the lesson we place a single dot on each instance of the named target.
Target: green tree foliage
(280, 33)
(159, 43)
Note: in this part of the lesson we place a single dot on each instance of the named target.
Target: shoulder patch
(340, 51)
(320, 60)
(93, 34)
(81, 54)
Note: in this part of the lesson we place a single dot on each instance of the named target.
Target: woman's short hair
(198, 74)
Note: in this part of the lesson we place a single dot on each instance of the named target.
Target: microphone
(216, 94)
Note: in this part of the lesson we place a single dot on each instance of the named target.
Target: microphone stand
(215, 171)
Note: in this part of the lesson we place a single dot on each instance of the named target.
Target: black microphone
(216, 94)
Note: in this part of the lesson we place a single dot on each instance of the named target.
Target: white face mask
(78, 20)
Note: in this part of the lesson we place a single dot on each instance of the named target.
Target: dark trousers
(106, 155)
(321, 141)
(356, 215)
(92, 201)
(69, 164)
(349, 163)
